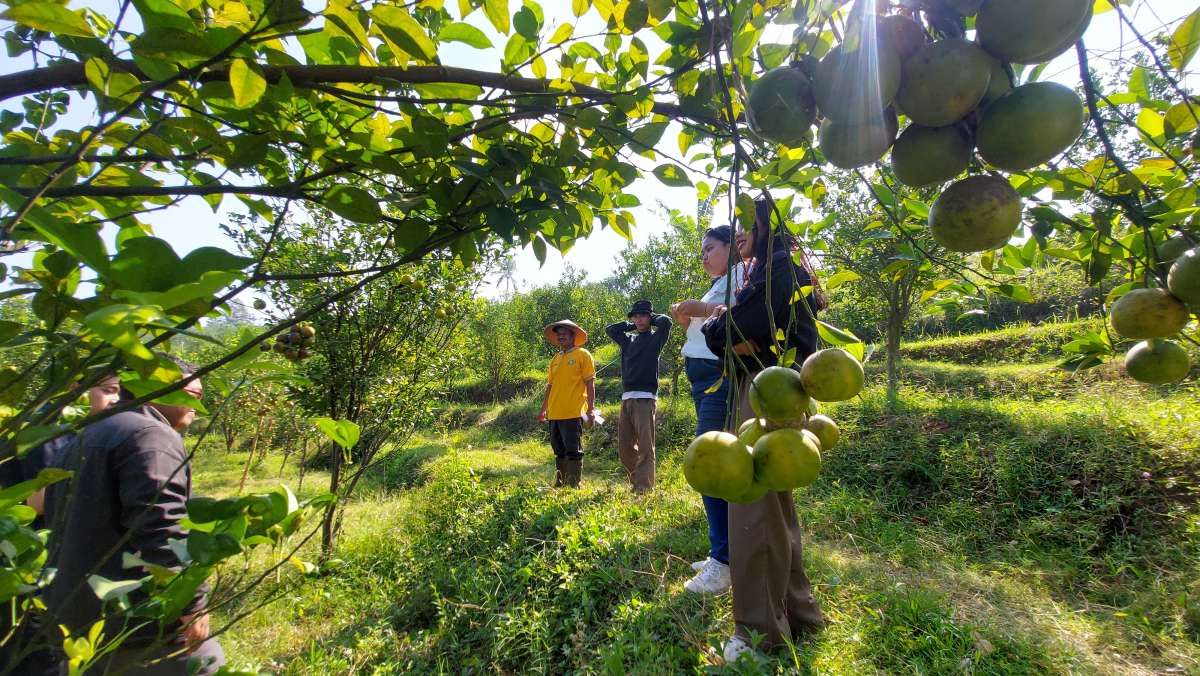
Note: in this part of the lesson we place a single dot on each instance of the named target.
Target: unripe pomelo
(975, 214)
(1029, 125)
(998, 85)
(853, 86)
(786, 459)
(781, 107)
(849, 146)
(719, 465)
(755, 493)
(1184, 278)
(1157, 362)
(826, 430)
(943, 81)
(777, 394)
(1170, 250)
(812, 436)
(1148, 313)
(751, 430)
(1031, 31)
(902, 33)
(832, 374)
(927, 155)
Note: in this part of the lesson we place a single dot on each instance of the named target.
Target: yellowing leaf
(497, 13)
(1184, 42)
(50, 17)
(562, 34)
(247, 84)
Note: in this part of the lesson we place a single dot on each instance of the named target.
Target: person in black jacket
(128, 496)
(641, 339)
(772, 597)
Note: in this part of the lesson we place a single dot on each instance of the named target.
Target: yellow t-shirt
(569, 372)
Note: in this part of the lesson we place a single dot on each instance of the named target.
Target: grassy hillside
(1003, 519)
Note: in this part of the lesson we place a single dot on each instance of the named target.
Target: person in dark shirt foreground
(132, 482)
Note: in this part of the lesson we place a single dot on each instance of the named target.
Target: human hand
(542, 416)
(745, 348)
(676, 312)
(717, 311)
(195, 630)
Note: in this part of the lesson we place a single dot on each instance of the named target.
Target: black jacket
(639, 352)
(752, 322)
(131, 479)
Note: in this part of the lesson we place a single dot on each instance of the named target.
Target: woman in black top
(772, 596)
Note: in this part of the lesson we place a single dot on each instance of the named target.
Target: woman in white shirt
(712, 408)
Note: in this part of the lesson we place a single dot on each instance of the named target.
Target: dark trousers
(772, 596)
(208, 657)
(566, 438)
(711, 411)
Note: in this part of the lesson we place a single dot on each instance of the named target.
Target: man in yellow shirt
(570, 399)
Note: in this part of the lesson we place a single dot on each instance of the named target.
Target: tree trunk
(303, 457)
(895, 326)
(250, 458)
(328, 527)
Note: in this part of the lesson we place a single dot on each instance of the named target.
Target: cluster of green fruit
(958, 96)
(1154, 314)
(780, 449)
(295, 344)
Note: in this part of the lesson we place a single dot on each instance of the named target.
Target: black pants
(566, 438)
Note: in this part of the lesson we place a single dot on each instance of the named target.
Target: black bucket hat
(640, 307)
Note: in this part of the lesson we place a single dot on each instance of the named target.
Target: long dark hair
(779, 239)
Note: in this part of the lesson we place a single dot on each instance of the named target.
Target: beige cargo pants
(772, 596)
(635, 442)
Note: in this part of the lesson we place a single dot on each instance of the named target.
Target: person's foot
(735, 647)
(713, 579)
(697, 565)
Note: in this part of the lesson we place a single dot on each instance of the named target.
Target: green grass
(1003, 519)
(1014, 344)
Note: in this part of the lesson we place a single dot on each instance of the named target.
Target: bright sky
(193, 224)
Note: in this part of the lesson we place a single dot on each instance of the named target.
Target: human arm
(618, 332)
(590, 387)
(153, 485)
(662, 326)
(545, 403)
(686, 309)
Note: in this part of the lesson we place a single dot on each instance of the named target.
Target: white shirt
(695, 346)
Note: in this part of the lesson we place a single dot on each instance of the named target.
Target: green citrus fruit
(832, 374)
(849, 145)
(1157, 362)
(826, 430)
(786, 459)
(260, 304)
(1171, 249)
(998, 85)
(1148, 313)
(853, 86)
(777, 394)
(755, 493)
(813, 407)
(719, 465)
(812, 436)
(1184, 278)
(927, 155)
(751, 430)
(1029, 125)
(943, 81)
(975, 214)
(1031, 31)
(781, 107)
(902, 34)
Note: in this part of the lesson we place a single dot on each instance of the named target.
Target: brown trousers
(635, 442)
(772, 596)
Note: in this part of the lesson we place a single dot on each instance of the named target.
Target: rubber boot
(560, 472)
(574, 472)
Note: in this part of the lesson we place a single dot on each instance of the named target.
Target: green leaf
(841, 277)
(403, 30)
(247, 83)
(50, 17)
(81, 241)
(497, 13)
(1184, 42)
(352, 204)
(118, 325)
(672, 175)
(342, 432)
(107, 590)
(16, 494)
(1017, 292)
(841, 338)
(465, 33)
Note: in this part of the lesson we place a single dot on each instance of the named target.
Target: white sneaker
(697, 565)
(735, 647)
(713, 579)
